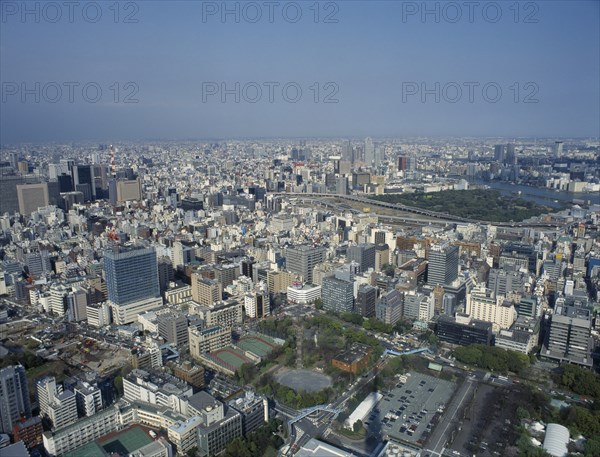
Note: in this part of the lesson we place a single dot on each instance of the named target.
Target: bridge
(303, 414)
(308, 411)
(412, 351)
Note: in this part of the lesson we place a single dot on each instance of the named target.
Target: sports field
(230, 358)
(126, 441)
(259, 345)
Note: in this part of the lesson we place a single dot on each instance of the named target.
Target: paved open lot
(305, 380)
(411, 411)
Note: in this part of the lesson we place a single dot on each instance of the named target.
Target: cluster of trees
(289, 397)
(262, 442)
(578, 419)
(492, 358)
(26, 358)
(278, 328)
(485, 204)
(375, 325)
(580, 381)
(332, 336)
(397, 365)
(581, 420)
(248, 372)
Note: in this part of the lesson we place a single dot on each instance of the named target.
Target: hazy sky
(375, 61)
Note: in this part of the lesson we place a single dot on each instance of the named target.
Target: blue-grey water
(543, 196)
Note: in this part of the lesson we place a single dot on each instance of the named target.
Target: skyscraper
(390, 307)
(337, 295)
(499, 153)
(83, 178)
(14, 397)
(363, 254)
(558, 149)
(369, 152)
(31, 197)
(132, 281)
(570, 339)
(131, 274)
(302, 259)
(442, 268)
(402, 163)
(511, 154)
(365, 300)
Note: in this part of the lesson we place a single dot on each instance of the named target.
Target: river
(542, 195)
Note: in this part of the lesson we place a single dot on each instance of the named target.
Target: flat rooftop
(355, 353)
(410, 411)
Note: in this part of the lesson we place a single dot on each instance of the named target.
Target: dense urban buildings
(163, 295)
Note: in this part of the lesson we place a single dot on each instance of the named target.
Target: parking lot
(410, 411)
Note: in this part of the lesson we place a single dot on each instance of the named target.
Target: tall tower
(510, 157)
(558, 149)
(442, 268)
(302, 260)
(14, 397)
(131, 274)
(369, 152)
(499, 153)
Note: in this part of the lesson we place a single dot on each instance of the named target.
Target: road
(422, 213)
(440, 434)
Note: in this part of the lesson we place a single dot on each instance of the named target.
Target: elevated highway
(443, 217)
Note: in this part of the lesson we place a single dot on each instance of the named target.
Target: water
(542, 195)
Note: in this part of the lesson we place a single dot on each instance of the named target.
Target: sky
(160, 70)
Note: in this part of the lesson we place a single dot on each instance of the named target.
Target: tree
(357, 427)
(592, 447)
(118, 382)
(319, 304)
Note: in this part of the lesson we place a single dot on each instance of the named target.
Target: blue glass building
(131, 274)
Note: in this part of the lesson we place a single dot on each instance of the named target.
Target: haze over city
(542, 55)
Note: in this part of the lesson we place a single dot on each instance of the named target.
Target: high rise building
(382, 256)
(302, 259)
(402, 163)
(124, 190)
(499, 152)
(9, 203)
(558, 149)
(484, 306)
(257, 303)
(31, 197)
(62, 410)
(363, 254)
(337, 295)
(365, 300)
(208, 339)
(569, 339)
(442, 268)
(390, 307)
(378, 156)
(173, 328)
(47, 390)
(511, 154)
(369, 152)
(14, 397)
(220, 423)
(132, 281)
(131, 274)
(205, 291)
(341, 185)
(88, 398)
(83, 178)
